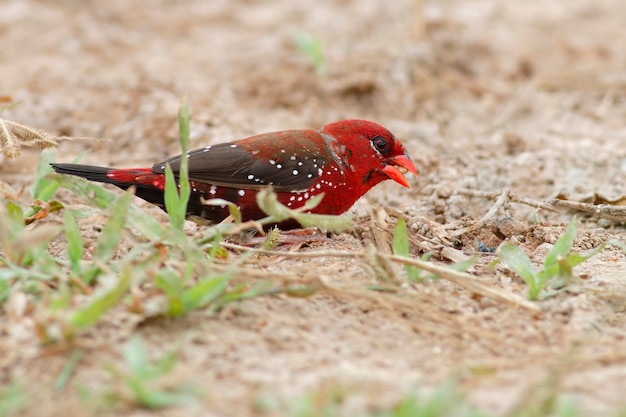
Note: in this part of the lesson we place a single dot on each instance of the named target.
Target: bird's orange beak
(397, 166)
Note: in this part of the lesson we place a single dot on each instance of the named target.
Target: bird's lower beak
(398, 166)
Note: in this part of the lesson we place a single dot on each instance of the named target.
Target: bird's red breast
(343, 160)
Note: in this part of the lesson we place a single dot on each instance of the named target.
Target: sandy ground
(486, 95)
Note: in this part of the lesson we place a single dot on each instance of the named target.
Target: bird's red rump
(143, 176)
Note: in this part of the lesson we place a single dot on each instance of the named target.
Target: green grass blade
(171, 283)
(184, 395)
(268, 202)
(233, 210)
(13, 400)
(136, 356)
(401, 238)
(311, 47)
(517, 260)
(185, 188)
(94, 194)
(172, 199)
(102, 301)
(562, 246)
(44, 188)
(143, 378)
(463, 266)
(5, 287)
(15, 217)
(112, 232)
(24, 246)
(617, 243)
(577, 258)
(68, 370)
(177, 192)
(74, 242)
(401, 247)
(204, 292)
(87, 191)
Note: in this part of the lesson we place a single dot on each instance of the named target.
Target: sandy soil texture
(488, 96)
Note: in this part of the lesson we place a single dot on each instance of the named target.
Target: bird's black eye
(381, 144)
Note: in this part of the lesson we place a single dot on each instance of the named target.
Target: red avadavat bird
(343, 160)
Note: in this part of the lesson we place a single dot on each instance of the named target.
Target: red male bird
(343, 160)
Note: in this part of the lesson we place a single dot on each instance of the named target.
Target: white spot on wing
(242, 193)
(295, 172)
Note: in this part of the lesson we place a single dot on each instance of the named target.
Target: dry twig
(502, 200)
(603, 211)
(464, 280)
(514, 198)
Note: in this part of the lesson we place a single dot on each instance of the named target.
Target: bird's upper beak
(397, 166)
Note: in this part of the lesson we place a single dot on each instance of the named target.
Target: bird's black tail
(90, 172)
(147, 191)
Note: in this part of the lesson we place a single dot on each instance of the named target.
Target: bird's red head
(370, 151)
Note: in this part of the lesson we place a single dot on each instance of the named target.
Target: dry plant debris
(14, 136)
(503, 109)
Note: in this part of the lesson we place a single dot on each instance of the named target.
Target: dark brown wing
(289, 161)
